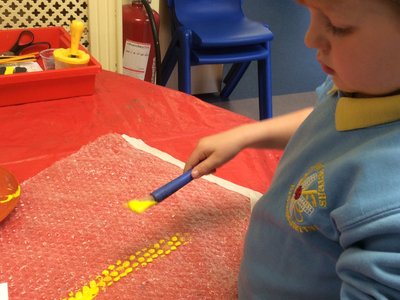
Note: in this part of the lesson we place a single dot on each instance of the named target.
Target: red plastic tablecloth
(33, 136)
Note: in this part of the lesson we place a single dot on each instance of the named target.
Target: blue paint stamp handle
(171, 187)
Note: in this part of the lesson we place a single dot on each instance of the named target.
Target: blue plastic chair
(218, 32)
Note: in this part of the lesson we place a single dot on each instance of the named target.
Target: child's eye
(339, 31)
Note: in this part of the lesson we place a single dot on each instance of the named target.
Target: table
(34, 136)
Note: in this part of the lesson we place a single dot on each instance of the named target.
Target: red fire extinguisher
(138, 44)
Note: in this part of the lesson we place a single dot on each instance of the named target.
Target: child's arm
(215, 150)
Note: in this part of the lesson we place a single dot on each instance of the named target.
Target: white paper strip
(139, 144)
(3, 291)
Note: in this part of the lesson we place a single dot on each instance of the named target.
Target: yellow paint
(110, 276)
(140, 206)
(126, 264)
(12, 196)
(120, 269)
(114, 274)
(9, 70)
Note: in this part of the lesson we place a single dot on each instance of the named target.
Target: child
(329, 226)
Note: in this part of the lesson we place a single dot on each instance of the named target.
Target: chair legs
(169, 61)
(233, 77)
(264, 83)
(265, 86)
(179, 51)
(184, 63)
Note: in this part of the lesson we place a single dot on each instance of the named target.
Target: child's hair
(396, 5)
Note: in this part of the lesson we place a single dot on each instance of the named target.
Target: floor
(249, 107)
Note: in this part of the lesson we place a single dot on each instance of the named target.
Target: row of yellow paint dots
(122, 268)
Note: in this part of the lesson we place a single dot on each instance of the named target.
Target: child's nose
(316, 36)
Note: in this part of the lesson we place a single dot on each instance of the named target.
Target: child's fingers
(200, 168)
(192, 161)
(204, 168)
(200, 165)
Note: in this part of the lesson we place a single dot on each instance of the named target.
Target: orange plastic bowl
(10, 191)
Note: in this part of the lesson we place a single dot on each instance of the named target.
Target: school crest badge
(305, 198)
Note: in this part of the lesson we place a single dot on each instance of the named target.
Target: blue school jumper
(329, 226)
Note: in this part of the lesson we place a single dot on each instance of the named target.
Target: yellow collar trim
(355, 113)
(333, 90)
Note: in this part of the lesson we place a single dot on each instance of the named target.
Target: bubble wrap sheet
(71, 224)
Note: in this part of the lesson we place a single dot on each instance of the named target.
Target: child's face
(357, 42)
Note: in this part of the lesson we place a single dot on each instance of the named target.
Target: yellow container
(63, 58)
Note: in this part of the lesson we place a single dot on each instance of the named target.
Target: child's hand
(215, 150)
(212, 152)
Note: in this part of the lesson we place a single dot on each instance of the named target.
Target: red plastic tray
(50, 84)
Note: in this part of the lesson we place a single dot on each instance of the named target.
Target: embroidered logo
(305, 197)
